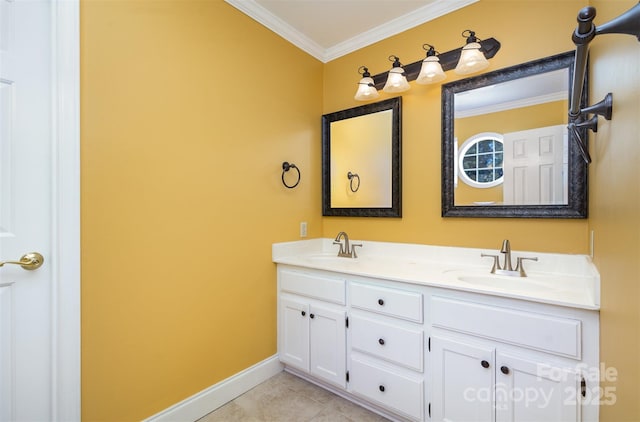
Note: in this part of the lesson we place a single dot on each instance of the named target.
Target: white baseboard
(209, 399)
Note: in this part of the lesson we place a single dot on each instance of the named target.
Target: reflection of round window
(480, 160)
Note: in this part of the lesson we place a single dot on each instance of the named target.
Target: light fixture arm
(431, 50)
(448, 61)
(362, 70)
(470, 36)
(395, 60)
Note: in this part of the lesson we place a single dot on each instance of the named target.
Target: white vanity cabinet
(312, 324)
(504, 364)
(386, 353)
(426, 334)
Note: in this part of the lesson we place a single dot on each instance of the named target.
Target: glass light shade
(396, 81)
(471, 60)
(366, 90)
(431, 71)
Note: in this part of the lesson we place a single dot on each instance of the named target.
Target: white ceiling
(328, 29)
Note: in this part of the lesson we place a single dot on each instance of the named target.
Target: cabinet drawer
(401, 394)
(311, 285)
(561, 336)
(393, 302)
(395, 344)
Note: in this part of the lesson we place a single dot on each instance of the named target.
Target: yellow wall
(422, 221)
(615, 210)
(186, 120)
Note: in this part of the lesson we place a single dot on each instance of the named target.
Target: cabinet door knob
(380, 302)
(312, 316)
(381, 341)
(303, 313)
(485, 364)
(381, 388)
(504, 370)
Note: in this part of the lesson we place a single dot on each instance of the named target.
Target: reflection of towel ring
(285, 168)
(352, 176)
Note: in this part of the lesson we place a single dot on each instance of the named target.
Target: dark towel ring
(285, 168)
(352, 176)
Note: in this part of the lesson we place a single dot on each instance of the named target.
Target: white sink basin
(503, 282)
(329, 258)
(506, 282)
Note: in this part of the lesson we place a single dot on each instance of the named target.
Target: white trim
(510, 105)
(417, 17)
(257, 12)
(208, 400)
(395, 26)
(65, 377)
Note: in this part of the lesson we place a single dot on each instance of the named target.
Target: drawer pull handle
(312, 316)
(380, 302)
(381, 388)
(303, 313)
(485, 364)
(504, 370)
(381, 341)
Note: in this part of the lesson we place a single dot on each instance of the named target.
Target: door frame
(65, 344)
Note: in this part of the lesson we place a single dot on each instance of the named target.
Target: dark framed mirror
(506, 150)
(362, 161)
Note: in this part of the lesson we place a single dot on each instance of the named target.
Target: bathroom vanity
(418, 333)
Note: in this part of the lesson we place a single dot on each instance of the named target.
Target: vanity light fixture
(472, 59)
(431, 70)
(366, 88)
(396, 81)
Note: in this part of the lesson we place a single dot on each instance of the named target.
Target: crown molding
(277, 25)
(393, 27)
(509, 105)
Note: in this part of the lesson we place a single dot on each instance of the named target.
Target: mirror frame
(394, 104)
(577, 206)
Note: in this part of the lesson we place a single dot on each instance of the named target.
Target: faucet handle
(520, 267)
(353, 249)
(496, 262)
(341, 252)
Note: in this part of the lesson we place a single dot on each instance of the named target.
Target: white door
(30, 385)
(528, 390)
(327, 340)
(535, 164)
(463, 381)
(294, 333)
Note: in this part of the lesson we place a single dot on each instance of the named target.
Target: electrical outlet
(303, 229)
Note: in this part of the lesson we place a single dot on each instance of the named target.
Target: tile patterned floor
(285, 398)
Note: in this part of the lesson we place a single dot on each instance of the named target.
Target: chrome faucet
(507, 268)
(346, 250)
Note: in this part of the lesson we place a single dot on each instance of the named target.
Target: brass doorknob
(29, 261)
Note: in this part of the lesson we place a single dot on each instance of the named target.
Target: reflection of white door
(39, 348)
(535, 163)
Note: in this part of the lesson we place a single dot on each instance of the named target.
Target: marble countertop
(558, 279)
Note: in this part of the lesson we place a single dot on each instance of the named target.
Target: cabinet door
(327, 328)
(294, 333)
(531, 390)
(463, 380)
